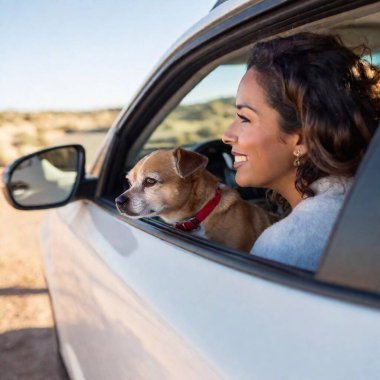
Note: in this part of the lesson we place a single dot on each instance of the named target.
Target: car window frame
(350, 256)
(187, 61)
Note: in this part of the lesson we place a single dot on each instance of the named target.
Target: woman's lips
(240, 159)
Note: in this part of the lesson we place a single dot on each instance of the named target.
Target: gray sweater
(300, 238)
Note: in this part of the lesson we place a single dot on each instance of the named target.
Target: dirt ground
(28, 345)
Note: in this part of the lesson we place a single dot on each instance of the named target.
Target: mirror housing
(48, 178)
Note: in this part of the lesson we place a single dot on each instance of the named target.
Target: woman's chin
(243, 181)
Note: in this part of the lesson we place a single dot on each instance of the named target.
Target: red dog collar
(193, 223)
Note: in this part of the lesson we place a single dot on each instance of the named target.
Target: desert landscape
(25, 132)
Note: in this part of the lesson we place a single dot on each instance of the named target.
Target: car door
(138, 299)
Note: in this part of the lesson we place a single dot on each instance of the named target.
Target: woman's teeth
(241, 158)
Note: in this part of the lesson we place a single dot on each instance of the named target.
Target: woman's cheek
(248, 142)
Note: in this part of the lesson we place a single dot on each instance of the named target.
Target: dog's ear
(187, 162)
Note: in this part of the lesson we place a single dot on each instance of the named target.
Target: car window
(203, 114)
(205, 111)
(208, 108)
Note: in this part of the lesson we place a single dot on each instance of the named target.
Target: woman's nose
(229, 137)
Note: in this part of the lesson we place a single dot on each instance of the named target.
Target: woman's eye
(242, 118)
(149, 182)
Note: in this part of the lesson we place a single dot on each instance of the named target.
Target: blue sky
(85, 54)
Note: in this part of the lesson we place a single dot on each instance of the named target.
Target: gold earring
(297, 161)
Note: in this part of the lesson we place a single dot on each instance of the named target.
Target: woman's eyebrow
(240, 106)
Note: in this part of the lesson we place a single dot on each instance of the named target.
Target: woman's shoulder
(314, 211)
(299, 238)
(296, 240)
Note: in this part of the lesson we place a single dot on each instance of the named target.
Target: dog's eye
(126, 183)
(148, 182)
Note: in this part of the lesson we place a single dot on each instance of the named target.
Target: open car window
(199, 111)
(202, 115)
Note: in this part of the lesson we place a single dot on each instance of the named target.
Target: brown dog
(174, 185)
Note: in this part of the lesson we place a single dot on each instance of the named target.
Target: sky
(85, 54)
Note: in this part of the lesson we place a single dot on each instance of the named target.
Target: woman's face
(263, 154)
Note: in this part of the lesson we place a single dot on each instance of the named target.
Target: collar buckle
(188, 225)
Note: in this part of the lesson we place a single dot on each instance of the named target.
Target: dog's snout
(121, 200)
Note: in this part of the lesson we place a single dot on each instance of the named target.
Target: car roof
(218, 3)
(222, 10)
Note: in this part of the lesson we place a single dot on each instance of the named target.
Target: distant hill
(189, 124)
(24, 132)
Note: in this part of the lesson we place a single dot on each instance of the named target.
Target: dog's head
(159, 183)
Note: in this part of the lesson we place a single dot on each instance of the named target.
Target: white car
(137, 299)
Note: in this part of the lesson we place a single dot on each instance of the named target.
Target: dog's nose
(121, 200)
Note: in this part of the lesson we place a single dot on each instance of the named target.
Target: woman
(307, 108)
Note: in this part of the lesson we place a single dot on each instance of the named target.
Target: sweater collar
(333, 184)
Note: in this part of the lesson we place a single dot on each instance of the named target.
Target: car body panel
(147, 309)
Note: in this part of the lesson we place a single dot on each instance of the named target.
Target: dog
(175, 185)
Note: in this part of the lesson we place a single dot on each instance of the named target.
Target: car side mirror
(48, 178)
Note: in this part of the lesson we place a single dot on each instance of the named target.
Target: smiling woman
(307, 108)
(263, 155)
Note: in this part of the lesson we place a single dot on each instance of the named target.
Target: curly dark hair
(327, 91)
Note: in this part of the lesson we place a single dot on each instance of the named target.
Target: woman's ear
(299, 144)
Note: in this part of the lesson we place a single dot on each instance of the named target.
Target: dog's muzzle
(121, 202)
